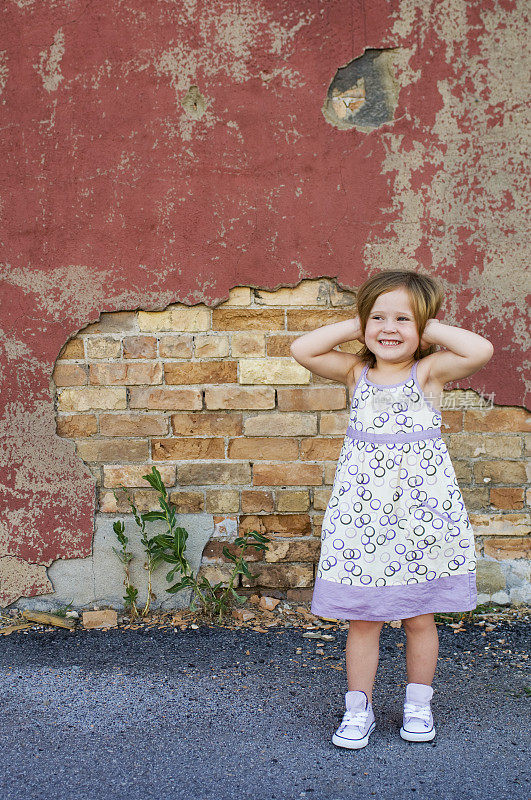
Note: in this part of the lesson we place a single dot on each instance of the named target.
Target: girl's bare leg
(422, 648)
(362, 651)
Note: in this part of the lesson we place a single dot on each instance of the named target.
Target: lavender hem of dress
(384, 603)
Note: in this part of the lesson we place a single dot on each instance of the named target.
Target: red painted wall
(114, 198)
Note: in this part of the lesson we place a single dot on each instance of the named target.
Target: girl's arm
(466, 351)
(315, 351)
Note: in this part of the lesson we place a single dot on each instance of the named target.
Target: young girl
(396, 539)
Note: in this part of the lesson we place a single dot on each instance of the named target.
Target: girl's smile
(391, 330)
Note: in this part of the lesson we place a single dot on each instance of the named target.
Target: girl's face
(392, 320)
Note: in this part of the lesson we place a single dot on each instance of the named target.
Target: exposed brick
(272, 370)
(215, 573)
(320, 449)
(278, 344)
(204, 474)
(178, 346)
(207, 423)
(307, 320)
(100, 450)
(500, 471)
(77, 426)
(329, 471)
(311, 398)
(133, 425)
(292, 501)
(321, 498)
(283, 524)
(197, 372)
(70, 375)
(289, 550)
(125, 374)
(239, 398)
(285, 576)
(452, 421)
(72, 349)
(292, 474)
(510, 547)
(180, 449)
(507, 418)
(165, 399)
(214, 551)
(103, 347)
(263, 448)
(140, 347)
(132, 476)
(334, 423)
(463, 471)
(222, 500)
(155, 320)
(238, 296)
(501, 524)
(507, 498)
(144, 500)
(317, 521)
(190, 318)
(475, 497)
(211, 346)
(113, 322)
(307, 293)
(340, 296)
(247, 343)
(187, 502)
(256, 501)
(474, 445)
(92, 397)
(281, 423)
(248, 319)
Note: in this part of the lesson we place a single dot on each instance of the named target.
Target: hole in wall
(364, 93)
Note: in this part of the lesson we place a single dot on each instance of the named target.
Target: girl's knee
(420, 623)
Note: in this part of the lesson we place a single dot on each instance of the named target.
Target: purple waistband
(394, 438)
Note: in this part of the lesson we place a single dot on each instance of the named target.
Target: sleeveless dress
(396, 539)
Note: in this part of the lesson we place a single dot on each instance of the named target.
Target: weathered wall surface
(163, 152)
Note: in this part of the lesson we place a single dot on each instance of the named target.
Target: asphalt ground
(219, 712)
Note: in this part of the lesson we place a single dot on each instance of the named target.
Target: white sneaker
(417, 720)
(357, 723)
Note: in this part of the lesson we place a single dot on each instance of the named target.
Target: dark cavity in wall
(364, 93)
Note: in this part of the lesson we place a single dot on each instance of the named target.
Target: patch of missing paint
(194, 103)
(49, 67)
(364, 93)
(19, 578)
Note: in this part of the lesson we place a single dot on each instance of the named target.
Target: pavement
(232, 711)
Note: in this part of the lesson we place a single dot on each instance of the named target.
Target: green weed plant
(170, 548)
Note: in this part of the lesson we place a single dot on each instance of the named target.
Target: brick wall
(238, 429)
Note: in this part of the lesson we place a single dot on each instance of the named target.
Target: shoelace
(356, 718)
(417, 711)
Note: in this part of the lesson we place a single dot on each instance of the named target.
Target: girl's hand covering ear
(427, 336)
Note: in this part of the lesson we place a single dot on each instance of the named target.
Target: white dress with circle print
(395, 525)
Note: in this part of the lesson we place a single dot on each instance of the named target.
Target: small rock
(268, 603)
(396, 623)
(311, 635)
(100, 619)
(243, 614)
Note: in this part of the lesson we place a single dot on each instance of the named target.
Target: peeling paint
(49, 67)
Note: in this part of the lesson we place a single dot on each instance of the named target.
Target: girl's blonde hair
(426, 295)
